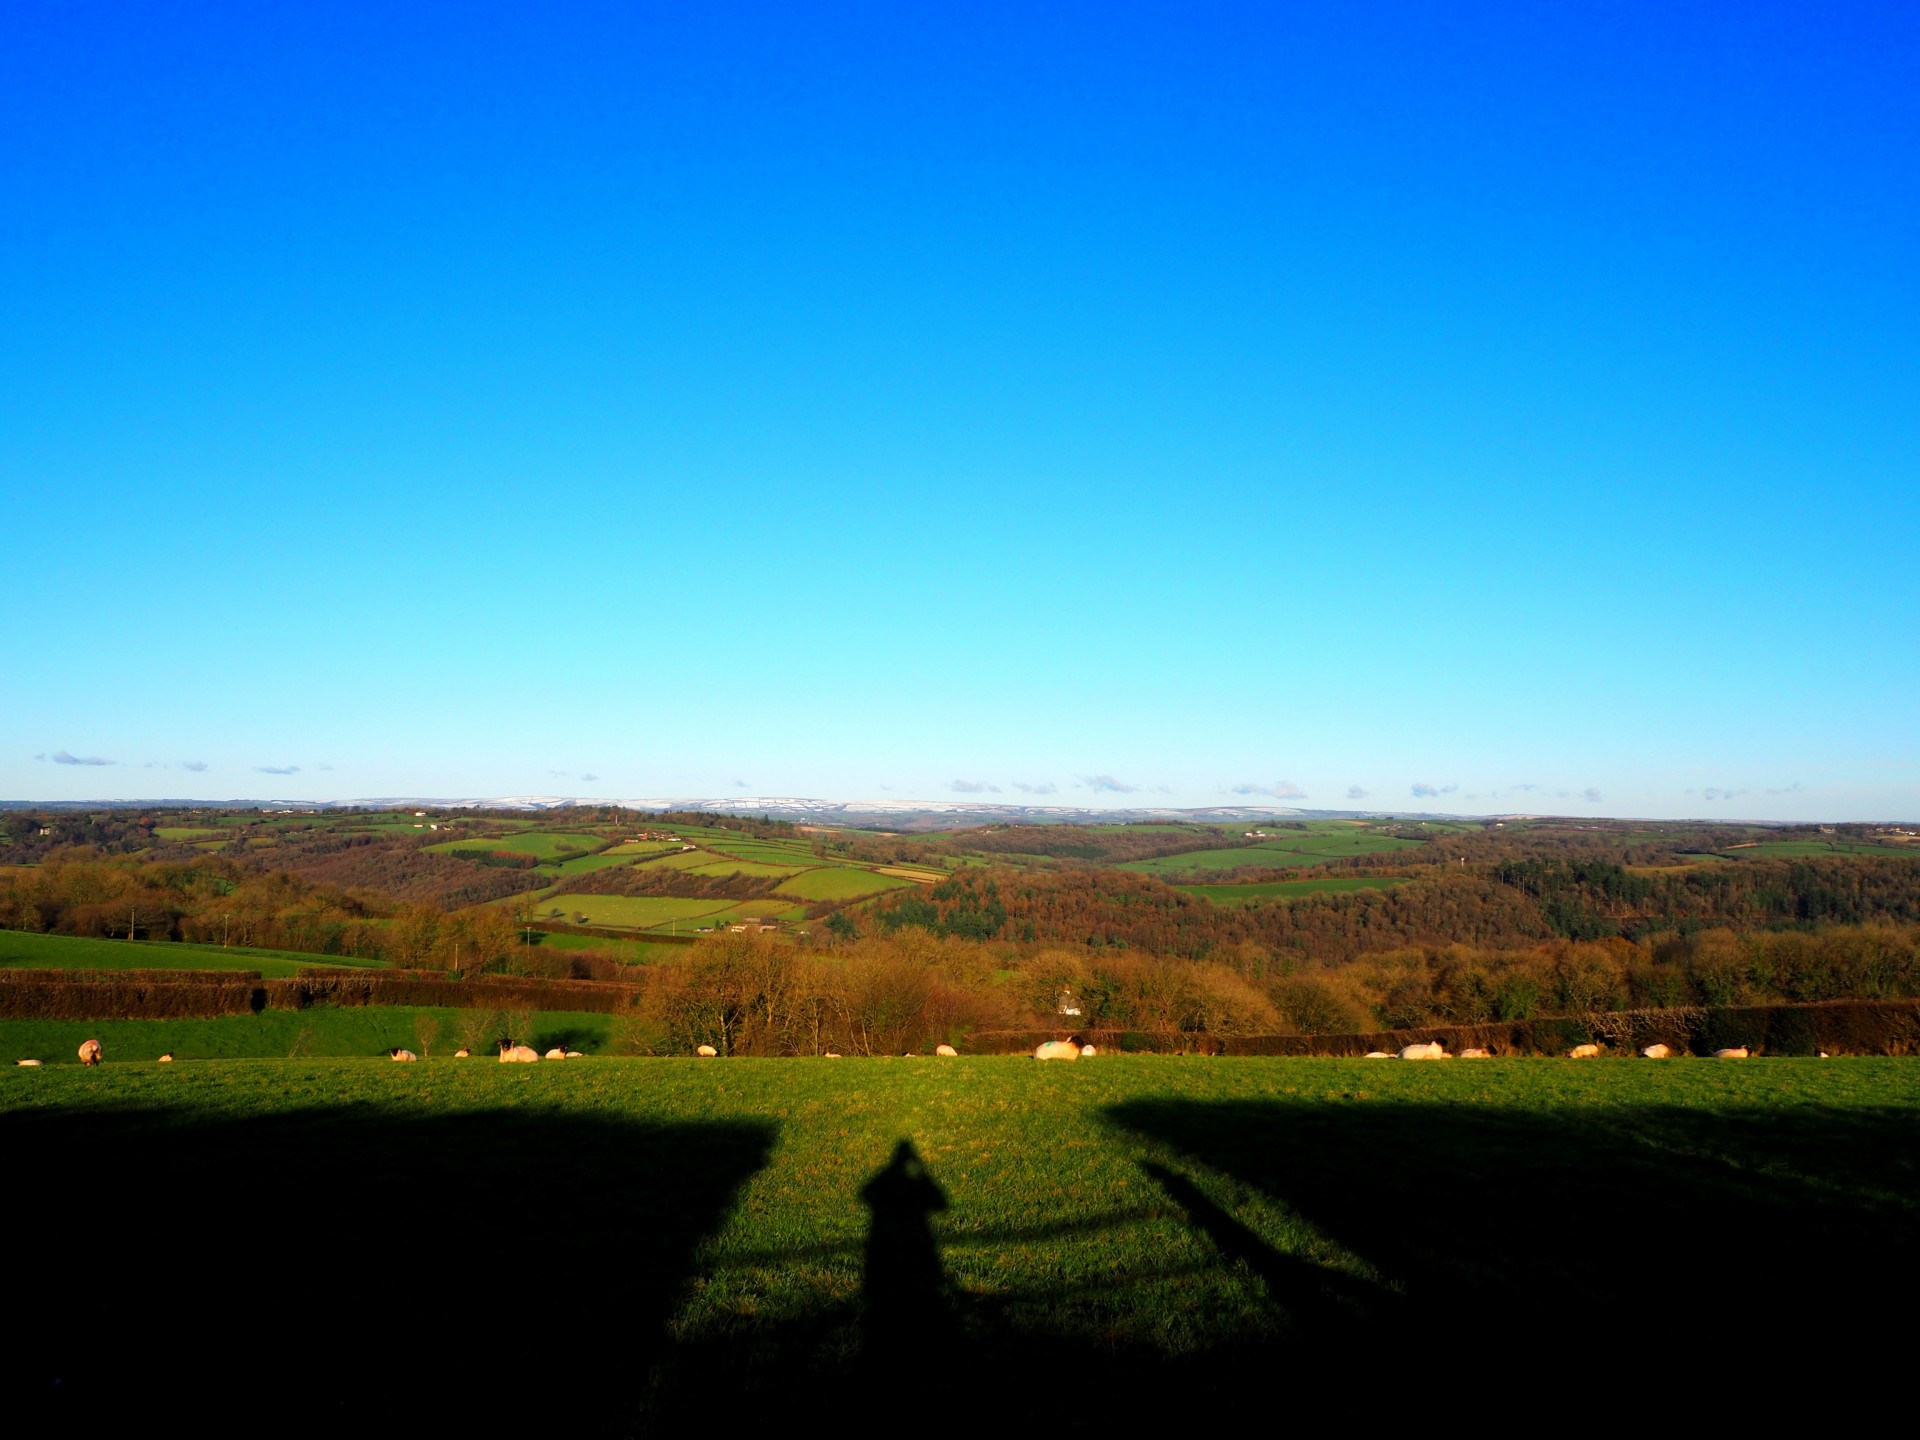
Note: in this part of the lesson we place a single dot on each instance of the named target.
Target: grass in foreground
(631, 1244)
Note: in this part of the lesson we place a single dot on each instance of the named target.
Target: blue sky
(1438, 406)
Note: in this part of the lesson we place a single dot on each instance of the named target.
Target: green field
(1285, 849)
(631, 912)
(542, 844)
(668, 1239)
(1797, 849)
(1287, 889)
(723, 866)
(187, 832)
(839, 884)
(324, 1031)
(24, 950)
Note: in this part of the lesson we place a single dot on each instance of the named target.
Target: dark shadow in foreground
(352, 1265)
(1572, 1247)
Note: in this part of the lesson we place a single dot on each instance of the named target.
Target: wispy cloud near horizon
(1279, 790)
(61, 757)
(276, 769)
(973, 787)
(1108, 785)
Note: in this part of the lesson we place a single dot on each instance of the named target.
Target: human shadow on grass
(353, 1266)
(1565, 1243)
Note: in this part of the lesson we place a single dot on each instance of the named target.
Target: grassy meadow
(1104, 1240)
(20, 949)
(1321, 841)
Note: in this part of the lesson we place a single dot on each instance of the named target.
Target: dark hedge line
(127, 994)
(135, 995)
(1839, 1027)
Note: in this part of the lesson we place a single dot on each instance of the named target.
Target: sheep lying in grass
(706, 1052)
(166, 1059)
(26, 1062)
(518, 1054)
(556, 1053)
(462, 1053)
(404, 1056)
(575, 1055)
(89, 1052)
(1476, 1054)
(1378, 1055)
(1583, 1052)
(1057, 1050)
(1087, 1051)
(945, 1050)
(1657, 1052)
(1732, 1052)
(1432, 1050)
(832, 1055)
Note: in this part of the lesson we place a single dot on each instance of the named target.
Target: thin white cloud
(61, 757)
(1107, 785)
(276, 769)
(973, 787)
(194, 765)
(589, 777)
(1279, 790)
(1424, 791)
(1046, 787)
(1592, 792)
(1354, 792)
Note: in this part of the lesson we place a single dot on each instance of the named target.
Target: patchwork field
(1286, 848)
(631, 912)
(24, 950)
(542, 844)
(839, 884)
(1288, 889)
(1122, 1237)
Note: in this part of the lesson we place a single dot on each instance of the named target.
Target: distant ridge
(915, 814)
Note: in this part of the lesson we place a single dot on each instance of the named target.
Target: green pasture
(1121, 1239)
(188, 832)
(634, 952)
(1283, 850)
(630, 912)
(324, 1031)
(722, 866)
(20, 949)
(682, 859)
(839, 884)
(542, 844)
(1799, 849)
(579, 865)
(1287, 889)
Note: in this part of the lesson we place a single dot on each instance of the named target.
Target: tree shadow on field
(353, 1266)
(1566, 1248)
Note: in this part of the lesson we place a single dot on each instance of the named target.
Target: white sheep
(1732, 1052)
(462, 1053)
(833, 1055)
(404, 1056)
(1088, 1052)
(1057, 1050)
(1432, 1050)
(557, 1053)
(1378, 1055)
(27, 1062)
(945, 1050)
(89, 1052)
(1583, 1052)
(706, 1052)
(166, 1059)
(518, 1054)
(1657, 1052)
(575, 1055)
(1476, 1053)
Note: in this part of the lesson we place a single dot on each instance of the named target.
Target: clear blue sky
(1455, 407)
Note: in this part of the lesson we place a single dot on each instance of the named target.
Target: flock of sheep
(90, 1053)
(1435, 1050)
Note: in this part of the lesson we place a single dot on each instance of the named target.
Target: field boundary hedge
(145, 995)
(1839, 1027)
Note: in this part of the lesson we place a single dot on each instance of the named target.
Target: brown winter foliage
(665, 880)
